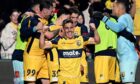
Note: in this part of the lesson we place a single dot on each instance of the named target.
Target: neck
(122, 13)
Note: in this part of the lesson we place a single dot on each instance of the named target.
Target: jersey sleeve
(54, 41)
(115, 26)
(85, 39)
(27, 27)
(54, 27)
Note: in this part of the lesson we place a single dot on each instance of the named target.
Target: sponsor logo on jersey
(70, 53)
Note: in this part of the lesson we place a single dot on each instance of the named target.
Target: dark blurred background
(7, 5)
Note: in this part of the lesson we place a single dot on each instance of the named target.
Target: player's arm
(94, 38)
(44, 44)
(47, 44)
(52, 31)
(114, 26)
(29, 26)
(51, 34)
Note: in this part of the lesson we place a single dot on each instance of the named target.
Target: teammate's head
(74, 15)
(68, 28)
(35, 7)
(14, 16)
(46, 9)
(81, 19)
(63, 13)
(94, 7)
(119, 7)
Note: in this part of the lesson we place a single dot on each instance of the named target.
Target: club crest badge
(78, 43)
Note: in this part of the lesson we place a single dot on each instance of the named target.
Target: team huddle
(55, 51)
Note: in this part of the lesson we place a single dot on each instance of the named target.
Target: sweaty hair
(45, 4)
(66, 21)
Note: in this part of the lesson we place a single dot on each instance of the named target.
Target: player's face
(47, 12)
(69, 30)
(80, 19)
(14, 17)
(74, 17)
(36, 9)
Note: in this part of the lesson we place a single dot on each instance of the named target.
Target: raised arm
(42, 41)
(94, 36)
(114, 26)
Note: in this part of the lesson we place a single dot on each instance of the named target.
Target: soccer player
(52, 56)
(105, 61)
(70, 51)
(17, 56)
(35, 62)
(127, 55)
(80, 29)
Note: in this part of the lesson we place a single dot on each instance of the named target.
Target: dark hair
(74, 10)
(34, 4)
(66, 21)
(125, 3)
(46, 4)
(96, 6)
(63, 11)
(13, 10)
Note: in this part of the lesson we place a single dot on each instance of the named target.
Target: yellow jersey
(70, 54)
(33, 48)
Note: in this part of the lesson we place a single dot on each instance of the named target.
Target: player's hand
(92, 26)
(45, 28)
(39, 26)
